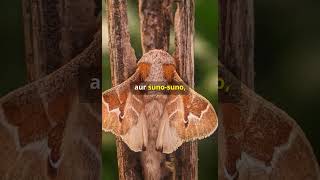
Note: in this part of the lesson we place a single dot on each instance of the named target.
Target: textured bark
(54, 33)
(123, 63)
(236, 37)
(236, 43)
(187, 154)
(184, 30)
(155, 21)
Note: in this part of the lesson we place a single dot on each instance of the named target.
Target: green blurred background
(206, 48)
(287, 62)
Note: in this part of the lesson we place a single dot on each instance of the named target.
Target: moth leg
(144, 132)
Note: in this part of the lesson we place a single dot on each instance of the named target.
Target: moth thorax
(157, 56)
(155, 73)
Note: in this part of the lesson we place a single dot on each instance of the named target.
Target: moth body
(156, 123)
(151, 158)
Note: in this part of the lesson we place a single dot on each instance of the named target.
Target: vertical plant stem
(236, 53)
(54, 34)
(187, 155)
(236, 38)
(155, 21)
(123, 63)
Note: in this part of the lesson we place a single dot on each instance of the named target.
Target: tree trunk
(122, 63)
(187, 154)
(54, 34)
(236, 38)
(155, 22)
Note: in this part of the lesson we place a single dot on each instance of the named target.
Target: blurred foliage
(287, 60)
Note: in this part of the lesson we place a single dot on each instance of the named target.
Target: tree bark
(54, 34)
(187, 154)
(123, 63)
(236, 38)
(155, 22)
(236, 43)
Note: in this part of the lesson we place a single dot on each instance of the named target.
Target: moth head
(156, 65)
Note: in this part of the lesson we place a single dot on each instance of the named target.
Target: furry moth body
(156, 123)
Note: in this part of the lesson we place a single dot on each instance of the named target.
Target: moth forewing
(180, 117)
(187, 117)
(199, 114)
(113, 102)
(122, 114)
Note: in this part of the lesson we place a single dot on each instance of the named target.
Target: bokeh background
(12, 66)
(206, 48)
(287, 62)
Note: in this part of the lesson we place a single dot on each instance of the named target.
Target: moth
(156, 121)
(45, 130)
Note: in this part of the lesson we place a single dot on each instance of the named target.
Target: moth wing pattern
(122, 114)
(187, 117)
(40, 126)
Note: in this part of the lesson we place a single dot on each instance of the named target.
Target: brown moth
(258, 140)
(159, 122)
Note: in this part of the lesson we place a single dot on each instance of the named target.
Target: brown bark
(123, 63)
(187, 154)
(236, 38)
(236, 43)
(54, 34)
(155, 21)
(184, 30)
